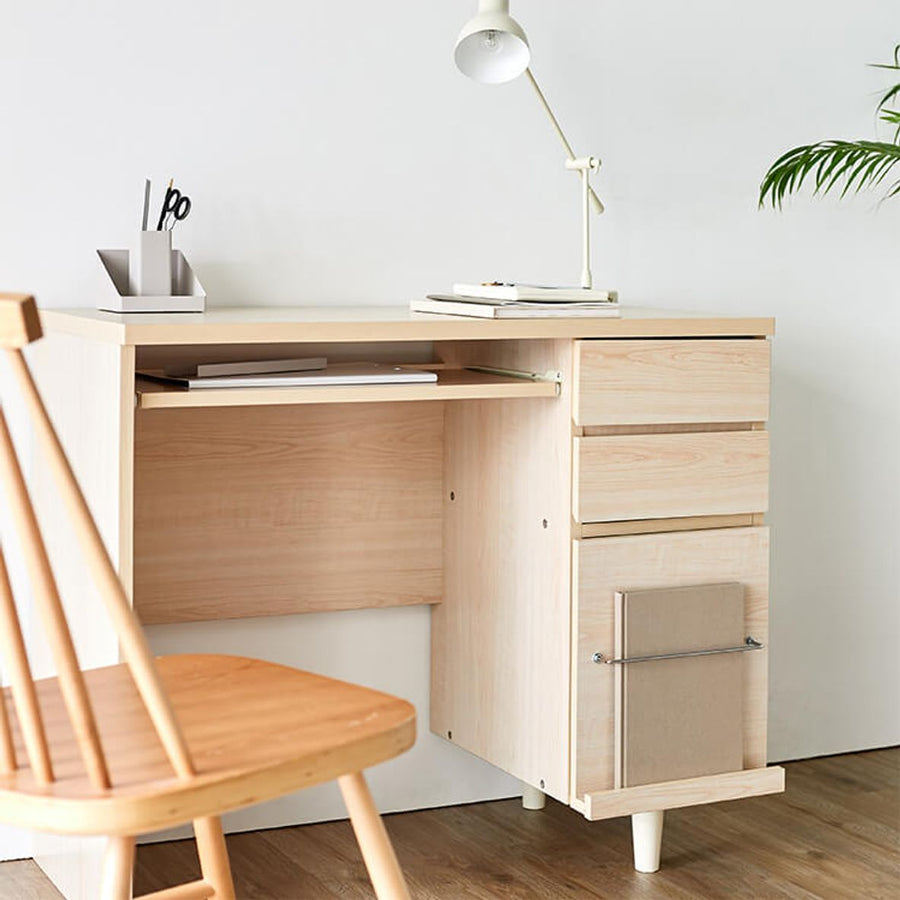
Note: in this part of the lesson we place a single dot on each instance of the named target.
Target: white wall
(334, 155)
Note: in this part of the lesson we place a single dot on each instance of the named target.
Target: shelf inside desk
(452, 384)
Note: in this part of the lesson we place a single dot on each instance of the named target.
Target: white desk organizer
(117, 295)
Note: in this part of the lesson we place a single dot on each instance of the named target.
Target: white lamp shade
(492, 48)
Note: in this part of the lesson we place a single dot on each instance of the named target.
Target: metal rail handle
(749, 644)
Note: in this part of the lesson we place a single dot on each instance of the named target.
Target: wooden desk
(627, 453)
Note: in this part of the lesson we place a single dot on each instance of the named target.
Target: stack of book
(519, 301)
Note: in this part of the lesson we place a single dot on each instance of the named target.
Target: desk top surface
(307, 324)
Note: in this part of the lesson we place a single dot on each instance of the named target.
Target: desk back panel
(257, 511)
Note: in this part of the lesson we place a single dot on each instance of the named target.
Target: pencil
(146, 204)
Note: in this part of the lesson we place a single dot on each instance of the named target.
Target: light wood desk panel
(250, 511)
(355, 324)
(506, 573)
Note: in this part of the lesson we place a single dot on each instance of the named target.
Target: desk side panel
(88, 388)
(500, 640)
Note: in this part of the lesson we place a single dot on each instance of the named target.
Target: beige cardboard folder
(679, 718)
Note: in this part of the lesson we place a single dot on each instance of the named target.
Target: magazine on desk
(340, 373)
(484, 308)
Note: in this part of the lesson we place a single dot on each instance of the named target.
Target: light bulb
(491, 43)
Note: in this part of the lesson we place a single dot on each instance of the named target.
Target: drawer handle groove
(749, 644)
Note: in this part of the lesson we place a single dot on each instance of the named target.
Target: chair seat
(256, 731)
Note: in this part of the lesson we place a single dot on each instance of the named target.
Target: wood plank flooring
(834, 835)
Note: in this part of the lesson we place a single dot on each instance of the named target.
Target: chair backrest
(19, 325)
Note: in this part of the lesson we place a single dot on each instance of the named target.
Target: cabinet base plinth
(688, 792)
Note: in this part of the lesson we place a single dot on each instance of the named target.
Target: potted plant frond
(849, 166)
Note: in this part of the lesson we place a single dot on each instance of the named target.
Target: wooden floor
(835, 834)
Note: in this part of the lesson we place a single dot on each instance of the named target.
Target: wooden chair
(153, 743)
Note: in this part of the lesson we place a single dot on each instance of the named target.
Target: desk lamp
(492, 49)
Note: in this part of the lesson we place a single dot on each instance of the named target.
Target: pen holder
(150, 264)
(121, 276)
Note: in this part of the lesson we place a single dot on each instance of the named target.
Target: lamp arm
(595, 200)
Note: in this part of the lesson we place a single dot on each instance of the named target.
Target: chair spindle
(24, 694)
(53, 617)
(7, 747)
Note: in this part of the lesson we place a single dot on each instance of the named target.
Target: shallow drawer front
(651, 476)
(603, 566)
(670, 381)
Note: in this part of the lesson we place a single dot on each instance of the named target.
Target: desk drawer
(650, 476)
(602, 566)
(640, 382)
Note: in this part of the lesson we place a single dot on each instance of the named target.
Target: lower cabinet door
(604, 566)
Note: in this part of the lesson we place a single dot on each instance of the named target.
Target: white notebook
(542, 293)
(340, 373)
(247, 367)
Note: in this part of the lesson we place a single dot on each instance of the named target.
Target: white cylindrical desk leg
(646, 835)
(532, 798)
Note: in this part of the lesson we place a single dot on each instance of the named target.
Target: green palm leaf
(892, 117)
(853, 164)
(850, 165)
(891, 94)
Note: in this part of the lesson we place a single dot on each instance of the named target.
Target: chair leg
(118, 863)
(214, 856)
(373, 840)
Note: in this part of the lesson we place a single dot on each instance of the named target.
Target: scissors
(176, 205)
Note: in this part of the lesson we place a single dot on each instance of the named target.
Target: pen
(146, 204)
